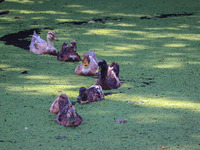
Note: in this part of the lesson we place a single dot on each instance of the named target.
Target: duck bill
(85, 62)
(79, 98)
(55, 38)
(98, 70)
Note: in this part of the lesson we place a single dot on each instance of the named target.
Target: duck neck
(86, 67)
(50, 42)
(104, 71)
(85, 97)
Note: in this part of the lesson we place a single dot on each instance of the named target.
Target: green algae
(159, 62)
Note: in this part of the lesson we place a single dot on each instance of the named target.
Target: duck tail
(92, 53)
(115, 68)
(34, 37)
(65, 45)
(35, 34)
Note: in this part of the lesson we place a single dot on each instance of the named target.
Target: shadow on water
(167, 15)
(110, 93)
(19, 39)
(101, 20)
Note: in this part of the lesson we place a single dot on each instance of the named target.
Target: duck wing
(93, 55)
(55, 106)
(112, 79)
(78, 69)
(41, 47)
(37, 44)
(115, 68)
(93, 65)
(72, 56)
(36, 39)
(95, 93)
(68, 117)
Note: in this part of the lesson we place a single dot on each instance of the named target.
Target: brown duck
(66, 113)
(108, 76)
(68, 53)
(88, 66)
(92, 94)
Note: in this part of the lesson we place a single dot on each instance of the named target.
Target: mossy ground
(159, 62)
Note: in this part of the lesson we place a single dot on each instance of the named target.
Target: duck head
(55, 107)
(83, 95)
(62, 55)
(63, 101)
(73, 46)
(51, 36)
(102, 69)
(86, 59)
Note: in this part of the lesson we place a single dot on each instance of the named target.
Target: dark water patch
(24, 72)
(167, 15)
(19, 39)
(110, 93)
(49, 28)
(76, 23)
(144, 84)
(4, 12)
(1, 1)
(101, 20)
(9, 141)
(149, 78)
(61, 137)
(124, 80)
(147, 81)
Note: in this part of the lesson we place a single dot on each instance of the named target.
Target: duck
(88, 66)
(68, 53)
(92, 94)
(40, 46)
(108, 76)
(66, 113)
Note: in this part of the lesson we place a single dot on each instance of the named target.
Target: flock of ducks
(108, 76)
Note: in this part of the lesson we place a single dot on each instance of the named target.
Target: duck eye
(51, 35)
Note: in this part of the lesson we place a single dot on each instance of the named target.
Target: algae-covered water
(159, 72)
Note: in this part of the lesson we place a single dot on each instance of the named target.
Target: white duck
(40, 46)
